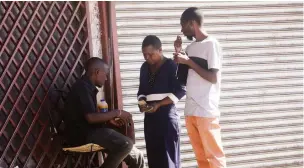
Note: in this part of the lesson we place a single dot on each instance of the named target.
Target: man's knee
(128, 145)
(117, 143)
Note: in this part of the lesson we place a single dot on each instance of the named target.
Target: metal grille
(42, 45)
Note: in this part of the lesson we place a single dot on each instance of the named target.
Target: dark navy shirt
(164, 81)
(80, 101)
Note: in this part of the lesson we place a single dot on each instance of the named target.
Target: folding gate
(42, 45)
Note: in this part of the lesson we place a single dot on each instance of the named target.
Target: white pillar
(94, 35)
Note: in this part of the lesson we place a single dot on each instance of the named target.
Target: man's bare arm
(210, 75)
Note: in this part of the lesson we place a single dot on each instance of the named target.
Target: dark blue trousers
(162, 131)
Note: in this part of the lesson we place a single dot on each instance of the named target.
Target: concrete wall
(94, 35)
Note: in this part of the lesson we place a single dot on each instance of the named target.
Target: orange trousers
(205, 137)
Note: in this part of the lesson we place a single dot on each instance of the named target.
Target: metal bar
(41, 159)
(77, 17)
(71, 72)
(33, 148)
(73, 48)
(54, 156)
(117, 77)
(65, 18)
(78, 161)
(13, 28)
(9, 74)
(65, 163)
(39, 16)
(20, 41)
(31, 6)
(6, 14)
(71, 8)
(24, 60)
(1, 131)
(5, 111)
(66, 39)
(13, 147)
(74, 66)
(73, 53)
(77, 60)
(37, 114)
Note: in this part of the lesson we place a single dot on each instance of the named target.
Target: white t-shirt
(202, 96)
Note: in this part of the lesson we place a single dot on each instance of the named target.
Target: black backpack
(56, 110)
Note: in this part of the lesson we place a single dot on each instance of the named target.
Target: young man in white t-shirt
(203, 90)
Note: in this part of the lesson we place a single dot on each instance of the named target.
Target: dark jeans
(120, 148)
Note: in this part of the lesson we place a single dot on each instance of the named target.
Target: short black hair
(152, 40)
(94, 63)
(192, 14)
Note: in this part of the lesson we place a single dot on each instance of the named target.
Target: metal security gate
(261, 102)
(42, 45)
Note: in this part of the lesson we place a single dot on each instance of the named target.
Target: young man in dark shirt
(85, 124)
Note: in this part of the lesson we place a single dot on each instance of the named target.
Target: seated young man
(84, 124)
